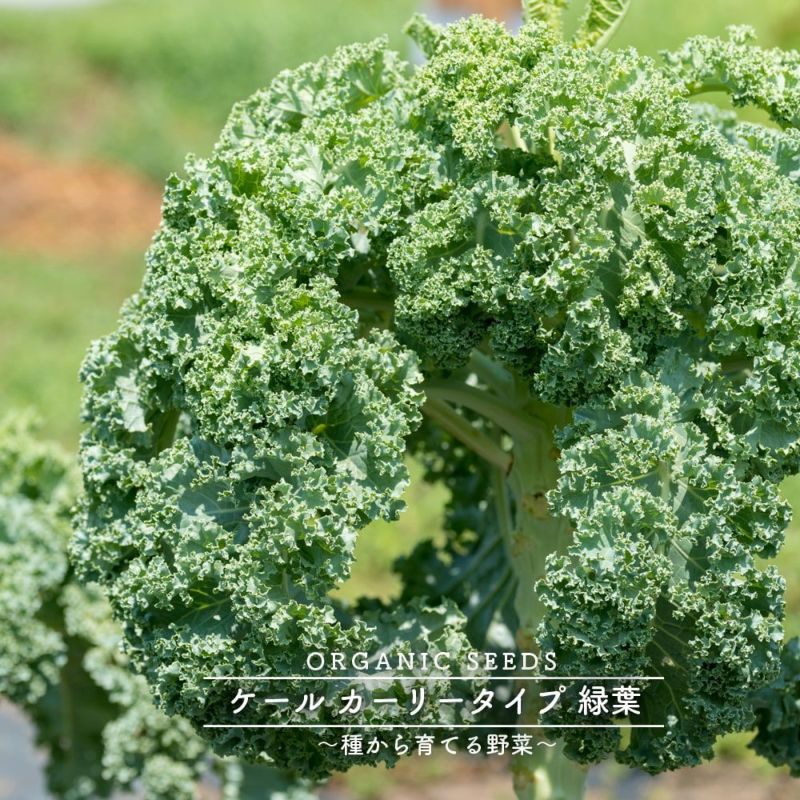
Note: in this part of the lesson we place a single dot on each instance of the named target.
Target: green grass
(145, 82)
(49, 311)
(654, 25)
(380, 543)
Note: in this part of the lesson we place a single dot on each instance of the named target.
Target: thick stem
(503, 412)
(527, 475)
(546, 774)
(492, 373)
(459, 427)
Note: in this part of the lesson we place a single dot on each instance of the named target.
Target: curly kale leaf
(36, 489)
(777, 710)
(243, 426)
(661, 579)
(601, 21)
(62, 662)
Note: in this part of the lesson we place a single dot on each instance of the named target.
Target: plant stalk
(546, 774)
(459, 427)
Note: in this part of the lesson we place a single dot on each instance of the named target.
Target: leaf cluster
(611, 252)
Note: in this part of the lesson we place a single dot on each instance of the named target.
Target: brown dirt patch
(58, 207)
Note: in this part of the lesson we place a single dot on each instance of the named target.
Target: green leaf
(777, 710)
(601, 22)
(547, 11)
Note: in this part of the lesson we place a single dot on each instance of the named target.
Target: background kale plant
(61, 661)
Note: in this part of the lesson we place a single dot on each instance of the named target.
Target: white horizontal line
(423, 725)
(432, 678)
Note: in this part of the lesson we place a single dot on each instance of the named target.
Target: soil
(65, 208)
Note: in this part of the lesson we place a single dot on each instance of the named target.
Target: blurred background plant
(99, 102)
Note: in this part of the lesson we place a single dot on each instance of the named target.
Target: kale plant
(61, 662)
(549, 272)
